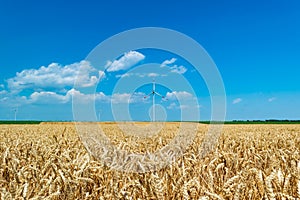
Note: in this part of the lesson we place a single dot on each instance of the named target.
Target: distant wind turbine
(16, 110)
(153, 93)
(99, 113)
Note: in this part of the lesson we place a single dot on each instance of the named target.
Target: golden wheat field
(49, 161)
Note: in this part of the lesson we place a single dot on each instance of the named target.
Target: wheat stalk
(269, 185)
(49, 161)
(158, 185)
(298, 188)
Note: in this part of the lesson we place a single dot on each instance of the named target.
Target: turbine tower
(153, 93)
(16, 110)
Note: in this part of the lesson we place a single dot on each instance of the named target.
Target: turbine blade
(158, 94)
(163, 97)
(148, 95)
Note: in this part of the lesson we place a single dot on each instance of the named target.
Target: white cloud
(123, 75)
(48, 97)
(236, 101)
(152, 75)
(178, 69)
(174, 68)
(168, 62)
(88, 98)
(271, 99)
(141, 75)
(3, 92)
(4, 99)
(118, 98)
(55, 76)
(180, 95)
(184, 106)
(173, 106)
(129, 59)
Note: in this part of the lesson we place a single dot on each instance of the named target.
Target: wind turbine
(99, 113)
(16, 110)
(153, 93)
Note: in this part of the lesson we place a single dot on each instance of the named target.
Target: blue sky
(255, 45)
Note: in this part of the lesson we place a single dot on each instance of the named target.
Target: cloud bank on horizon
(54, 84)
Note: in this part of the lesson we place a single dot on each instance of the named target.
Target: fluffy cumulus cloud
(46, 97)
(131, 58)
(168, 62)
(121, 98)
(152, 75)
(180, 95)
(174, 106)
(174, 68)
(3, 96)
(54, 84)
(271, 99)
(2, 92)
(126, 61)
(56, 76)
(236, 101)
(178, 69)
(185, 98)
(88, 98)
(141, 75)
(136, 97)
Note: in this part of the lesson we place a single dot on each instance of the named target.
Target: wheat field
(49, 161)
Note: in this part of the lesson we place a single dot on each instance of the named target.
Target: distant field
(203, 122)
(49, 161)
(257, 122)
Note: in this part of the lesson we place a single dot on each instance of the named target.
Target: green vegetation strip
(203, 122)
(255, 122)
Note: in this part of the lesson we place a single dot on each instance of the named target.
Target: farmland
(49, 161)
